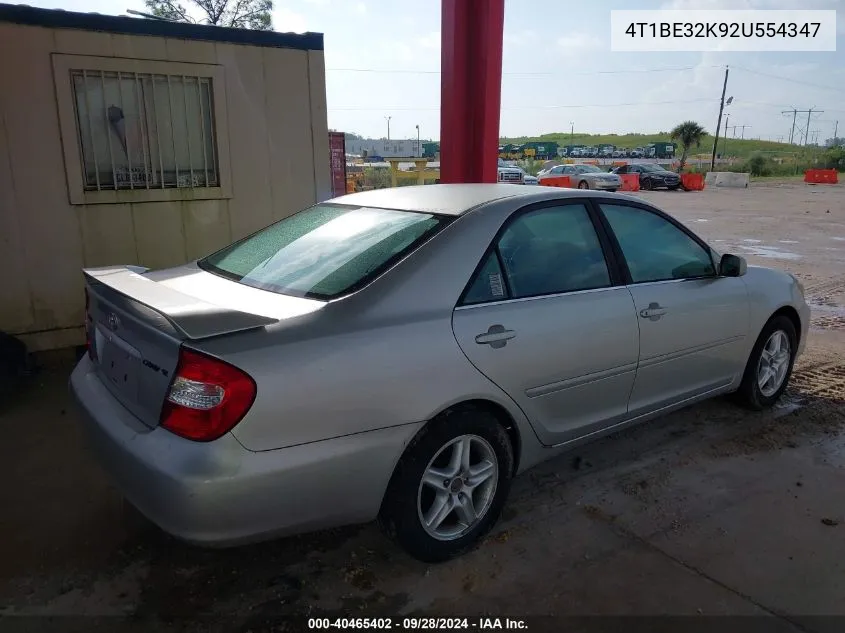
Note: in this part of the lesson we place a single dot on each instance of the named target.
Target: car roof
(460, 198)
(440, 199)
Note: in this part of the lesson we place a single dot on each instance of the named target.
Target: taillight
(207, 397)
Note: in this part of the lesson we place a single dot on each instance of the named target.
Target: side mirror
(732, 266)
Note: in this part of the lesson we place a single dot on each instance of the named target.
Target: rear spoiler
(191, 317)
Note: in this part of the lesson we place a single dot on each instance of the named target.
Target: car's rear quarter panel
(383, 357)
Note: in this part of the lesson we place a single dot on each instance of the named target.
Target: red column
(470, 89)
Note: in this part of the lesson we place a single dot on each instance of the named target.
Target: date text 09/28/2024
(416, 624)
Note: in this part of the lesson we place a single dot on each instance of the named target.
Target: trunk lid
(137, 322)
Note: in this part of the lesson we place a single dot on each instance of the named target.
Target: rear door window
(546, 251)
(325, 251)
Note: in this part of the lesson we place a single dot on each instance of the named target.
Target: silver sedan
(585, 177)
(404, 353)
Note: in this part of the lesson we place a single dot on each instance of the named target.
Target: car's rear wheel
(770, 364)
(450, 485)
(583, 185)
(647, 184)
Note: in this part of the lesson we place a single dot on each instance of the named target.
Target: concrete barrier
(726, 179)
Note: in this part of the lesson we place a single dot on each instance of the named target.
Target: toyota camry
(402, 354)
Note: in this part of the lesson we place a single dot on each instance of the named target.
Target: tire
(750, 393)
(647, 184)
(409, 499)
(612, 190)
(583, 185)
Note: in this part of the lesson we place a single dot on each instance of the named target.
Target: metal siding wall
(49, 228)
(319, 125)
(287, 105)
(45, 241)
(251, 207)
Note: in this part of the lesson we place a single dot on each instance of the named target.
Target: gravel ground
(709, 511)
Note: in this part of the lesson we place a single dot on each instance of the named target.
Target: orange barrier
(692, 182)
(630, 182)
(556, 181)
(621, 163)
(821, 176)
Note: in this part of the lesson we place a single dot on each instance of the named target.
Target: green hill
(735, 147)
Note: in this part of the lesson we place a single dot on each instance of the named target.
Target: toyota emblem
(114, 322)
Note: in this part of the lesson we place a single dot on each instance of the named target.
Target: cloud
(520, 38)
(430, 40)
(361, 8)
(288, 21)
(576, 42)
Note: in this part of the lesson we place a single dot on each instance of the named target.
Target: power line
(526, 107)
(527, 73)
(796, 81)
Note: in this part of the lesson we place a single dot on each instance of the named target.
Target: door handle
(653, 312)
(496, 336)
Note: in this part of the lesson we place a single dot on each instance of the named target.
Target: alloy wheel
(774, 363)
(457, 487)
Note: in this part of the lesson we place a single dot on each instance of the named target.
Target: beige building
(135, 141)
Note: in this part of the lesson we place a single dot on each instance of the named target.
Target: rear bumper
(219, 493)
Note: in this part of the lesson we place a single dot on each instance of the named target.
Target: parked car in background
(652, 176)
(374, 356)
(509, 174)
(586, 177)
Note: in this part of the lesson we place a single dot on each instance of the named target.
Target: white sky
(569, 40)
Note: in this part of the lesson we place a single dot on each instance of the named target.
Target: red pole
(471, 89)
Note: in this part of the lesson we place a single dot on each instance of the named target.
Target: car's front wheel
(770, 364)
(450, 485)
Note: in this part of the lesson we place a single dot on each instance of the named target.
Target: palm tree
(688, 134)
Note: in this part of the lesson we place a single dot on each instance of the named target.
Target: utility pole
(419, 147)
(835, 132)
(795, 112)
(571, 131)
(807, 133)
(387, 118)
(743, 130)
(794, 115)
(719, 122)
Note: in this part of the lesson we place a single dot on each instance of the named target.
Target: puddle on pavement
(702, 220)
(834, 451)
(787, 404)
(752, 241)
(825, 314)
(787, 241)
(770, 252)
(838, 239)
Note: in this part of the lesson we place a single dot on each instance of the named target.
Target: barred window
(145, 131)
